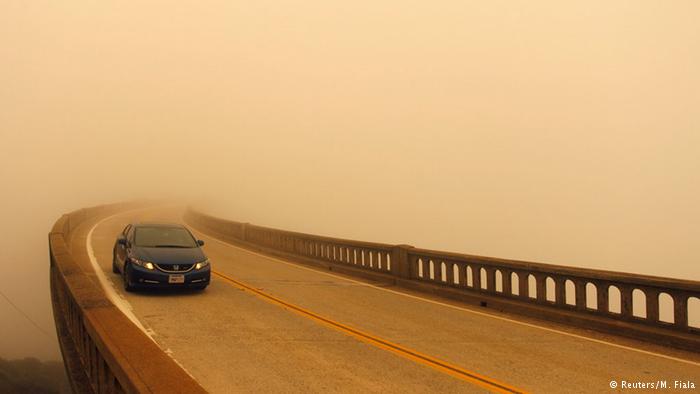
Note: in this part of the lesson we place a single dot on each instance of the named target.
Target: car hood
(169, 256)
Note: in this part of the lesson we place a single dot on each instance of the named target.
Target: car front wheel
(128, 284)
(115, 269)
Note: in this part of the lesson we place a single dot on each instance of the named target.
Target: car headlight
(145, 264)
(201, 265)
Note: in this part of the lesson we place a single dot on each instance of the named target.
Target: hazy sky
(563, 132)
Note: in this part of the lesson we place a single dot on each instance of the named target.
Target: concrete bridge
(291, 312)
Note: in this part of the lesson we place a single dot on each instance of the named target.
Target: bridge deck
(235, 340)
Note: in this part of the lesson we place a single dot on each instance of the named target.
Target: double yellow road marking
(440, 365)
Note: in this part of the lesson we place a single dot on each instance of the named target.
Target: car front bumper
(143, 277)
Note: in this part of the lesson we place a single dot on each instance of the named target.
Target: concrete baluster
(580, 285)
(507, 283)
(603, 301)
(476, 277)
(490, 279)
(449, 272)
(541, 285)
(680, 309)
(559, 291)
(626, 301)
(652, 305)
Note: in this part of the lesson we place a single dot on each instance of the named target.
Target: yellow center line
(440, 365)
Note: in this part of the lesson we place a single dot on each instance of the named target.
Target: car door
(120, 250)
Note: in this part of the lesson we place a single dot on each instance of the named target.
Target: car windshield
(163, 237)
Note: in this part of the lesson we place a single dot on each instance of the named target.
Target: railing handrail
(590, 273)
(375, 245)
(585, 273)
(484, 280)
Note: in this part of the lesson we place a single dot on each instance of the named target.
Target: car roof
(157, 224)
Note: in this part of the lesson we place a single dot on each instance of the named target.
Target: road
(267, 325)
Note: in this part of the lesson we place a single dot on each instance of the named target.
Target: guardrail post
(399, 261)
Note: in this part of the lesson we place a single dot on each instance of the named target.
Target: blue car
(160, 255)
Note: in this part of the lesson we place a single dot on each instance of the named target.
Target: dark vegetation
(30, 375)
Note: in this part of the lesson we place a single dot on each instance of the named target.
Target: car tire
(115, 269)
(200, 288)
(128, 286)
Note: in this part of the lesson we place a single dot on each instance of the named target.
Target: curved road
(267, 325)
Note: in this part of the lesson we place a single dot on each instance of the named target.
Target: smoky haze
(561, 132)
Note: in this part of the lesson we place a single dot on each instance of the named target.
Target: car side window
(130, 233)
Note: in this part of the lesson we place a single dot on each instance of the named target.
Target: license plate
(176, 279)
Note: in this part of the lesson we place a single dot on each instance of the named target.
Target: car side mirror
(200, 242)
(121, 240)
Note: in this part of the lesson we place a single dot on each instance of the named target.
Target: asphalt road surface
(267, 325)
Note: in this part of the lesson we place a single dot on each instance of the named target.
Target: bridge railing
(566, 288)
(104, 352)
(614, 302)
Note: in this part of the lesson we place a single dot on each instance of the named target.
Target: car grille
(175, 267)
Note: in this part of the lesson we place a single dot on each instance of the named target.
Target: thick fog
(561, 132)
